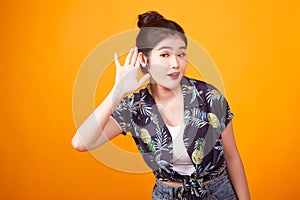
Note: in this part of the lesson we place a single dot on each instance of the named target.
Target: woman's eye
(182, 54)
(165, 55)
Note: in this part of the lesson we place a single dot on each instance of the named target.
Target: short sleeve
(229, 115)
(122, 115)
(219, 107)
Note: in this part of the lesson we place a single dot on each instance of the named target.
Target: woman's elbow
(78, 145)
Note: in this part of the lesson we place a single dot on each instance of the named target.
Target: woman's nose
(174, 62)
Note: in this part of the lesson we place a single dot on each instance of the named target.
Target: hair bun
(148, 17)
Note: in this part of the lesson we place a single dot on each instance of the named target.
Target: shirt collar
(192, 96)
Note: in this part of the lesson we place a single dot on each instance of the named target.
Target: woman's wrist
(117, 95)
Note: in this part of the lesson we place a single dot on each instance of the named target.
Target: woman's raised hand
(126, 80)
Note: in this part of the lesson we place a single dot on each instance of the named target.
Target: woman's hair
(153, 29)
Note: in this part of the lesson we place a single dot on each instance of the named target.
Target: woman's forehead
(171, 43)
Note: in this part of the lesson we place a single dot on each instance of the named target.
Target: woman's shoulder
(142, 93)
(199, 84)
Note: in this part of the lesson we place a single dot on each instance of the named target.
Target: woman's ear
(143, 63)
(143, 60)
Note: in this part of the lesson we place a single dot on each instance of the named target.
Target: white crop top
(182, 162)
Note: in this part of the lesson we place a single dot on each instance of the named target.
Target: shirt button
(169, 138)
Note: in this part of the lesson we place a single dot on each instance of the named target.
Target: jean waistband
(174, 191)
(221, 178)
(166, 188)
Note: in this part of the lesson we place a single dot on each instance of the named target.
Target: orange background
(255, 45)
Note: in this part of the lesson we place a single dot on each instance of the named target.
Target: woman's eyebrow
(170, 48)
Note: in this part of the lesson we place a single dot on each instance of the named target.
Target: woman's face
(168, 62)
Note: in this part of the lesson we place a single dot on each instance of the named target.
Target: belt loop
(172, 193)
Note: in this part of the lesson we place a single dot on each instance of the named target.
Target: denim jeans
(218, 188)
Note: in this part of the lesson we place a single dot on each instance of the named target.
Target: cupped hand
(126, 79)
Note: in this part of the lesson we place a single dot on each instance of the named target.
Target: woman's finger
(128, 58)
(117, 60)
(138, 60)
(134, 56)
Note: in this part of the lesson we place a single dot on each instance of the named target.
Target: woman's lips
(174, 75)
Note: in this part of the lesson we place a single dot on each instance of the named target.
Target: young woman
(181, 126)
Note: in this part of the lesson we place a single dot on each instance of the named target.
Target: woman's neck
(163, 94)
(169, 104)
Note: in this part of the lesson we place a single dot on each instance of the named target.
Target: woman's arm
(100, 127)
(234, 164)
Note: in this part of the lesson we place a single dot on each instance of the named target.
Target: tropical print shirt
(206, 114)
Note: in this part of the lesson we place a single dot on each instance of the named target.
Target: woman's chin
(167, 83)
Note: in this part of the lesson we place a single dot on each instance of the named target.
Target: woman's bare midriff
(177, 184)
(172, 184)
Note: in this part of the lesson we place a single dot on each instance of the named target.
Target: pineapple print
(213, 120)
(146, 138)
(198, 153)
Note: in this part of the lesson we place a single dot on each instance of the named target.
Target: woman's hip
(218, 188)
